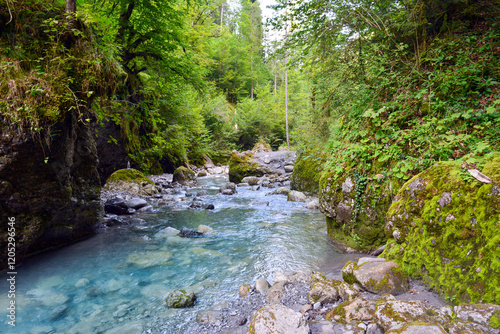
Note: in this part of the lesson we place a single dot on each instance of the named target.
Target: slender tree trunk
(221, 17)
(251, 54)
(286, 104)
(70, 6)
(275, 79)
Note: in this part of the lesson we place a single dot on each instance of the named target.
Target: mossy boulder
(132, 181)
(184, 176)
(444, 227)
(355, 207)
(242, 165)
(180, 299)
(359, 309)
(377, 276)
(307, 172)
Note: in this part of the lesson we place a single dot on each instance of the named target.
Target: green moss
(347, 275)
(340, 311)
(129, 175)
(183, 174)
(451, 244)
(242, 165)
(494, 321)
(307, 172)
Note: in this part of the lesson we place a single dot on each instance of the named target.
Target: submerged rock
(180, 298)
(228, 189)
(278, 319)
(201, 205)
(189, 233)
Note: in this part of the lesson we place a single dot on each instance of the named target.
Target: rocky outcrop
(250, 163)
(131, 181)
(355, 208)
(443, 224)
(50, 185)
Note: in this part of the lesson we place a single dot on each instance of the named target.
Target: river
(121, 275)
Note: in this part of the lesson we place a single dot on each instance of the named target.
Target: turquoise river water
(120, 276)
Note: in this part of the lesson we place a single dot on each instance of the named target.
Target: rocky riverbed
(354, 294)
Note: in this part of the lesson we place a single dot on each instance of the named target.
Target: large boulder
(242, 165)
(296, 196)
(132, 181)
(355, 208)
(184, 176)
(49, 184)
(444, 224)
(179, 299)
(377, 276)
(278, 319)
(307, 172)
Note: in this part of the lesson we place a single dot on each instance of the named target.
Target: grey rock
(370, 259)
(228, 189)
(288, 169)
(374, 329)
(262, 286)
(136, 203)
(347, 186)
(205, 229)
(276, 292)
(251, 180)
(202, 193)
(445, 199)
(189, 233)
(116, 206)
(296, 196)
(278, 319)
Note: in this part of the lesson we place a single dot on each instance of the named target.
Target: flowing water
(120, 277)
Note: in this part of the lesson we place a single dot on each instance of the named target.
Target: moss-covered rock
(444, 226)
(184, 175)
(179, 299)
(242, 165)
(131, 181)
(328, 291)
(355, 208)
(278, 318)
(307, 172)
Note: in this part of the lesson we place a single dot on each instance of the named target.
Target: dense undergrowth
(415, 87)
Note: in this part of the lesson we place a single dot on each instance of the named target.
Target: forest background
(382, 87)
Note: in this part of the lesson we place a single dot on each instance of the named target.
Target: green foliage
(398, 87)
(51, 67)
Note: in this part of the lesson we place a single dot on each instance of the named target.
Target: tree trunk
(286, 104)
(70, 6)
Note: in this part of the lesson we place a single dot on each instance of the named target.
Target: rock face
(377, 276)
(179, 299)
(355, 208)
(50, 186)
(444, 224)
(131, 181)
(184, 176)
(111, 153)
(278, 319)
